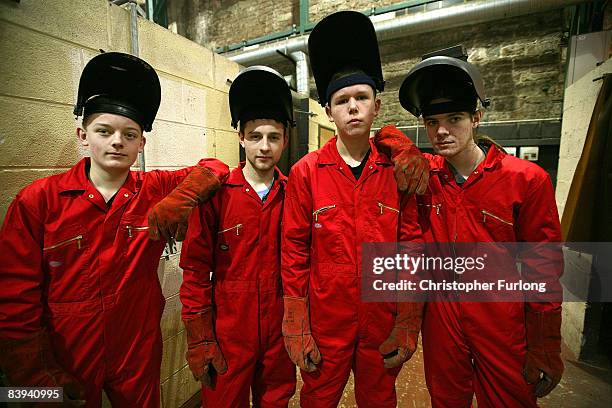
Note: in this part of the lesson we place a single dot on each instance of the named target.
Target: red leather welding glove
(300, 344)
(411, 167)
(543, 364)
(202, 347)
(30, 362)
(168, 218)
(402, 341)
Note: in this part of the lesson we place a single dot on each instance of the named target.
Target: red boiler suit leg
(134, 347)
(374, 384)
(448, 365)
(77, 338)
(323, 388)
(499, 354)
(231, 389)
(274, 379)
(136, 381)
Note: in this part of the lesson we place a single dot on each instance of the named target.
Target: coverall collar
(328, 155)
(493, 157)
(76, 179)
(236, 178)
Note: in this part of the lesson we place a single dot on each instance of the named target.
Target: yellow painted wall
(318, 119)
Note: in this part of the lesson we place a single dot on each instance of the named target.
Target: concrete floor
(583, 386)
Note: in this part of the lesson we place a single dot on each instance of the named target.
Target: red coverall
(88, 272)
(237, 237)
(480, 347)
(328, 215)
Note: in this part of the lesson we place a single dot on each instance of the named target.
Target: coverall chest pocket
(135, 234)
(66, 258)
(387, 213)
(327, 236)
(499, 224)
(429, 210)
(230, 240)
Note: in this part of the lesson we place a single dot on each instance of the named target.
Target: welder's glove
(543, 364)
(168, 218)
(411, 167)
(300, 344)
(30, 362)
(402, 341)
(202, 348)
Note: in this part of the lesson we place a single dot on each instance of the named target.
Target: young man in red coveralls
(508, 354)
(339, 197)
(231, 291)
(80, 298)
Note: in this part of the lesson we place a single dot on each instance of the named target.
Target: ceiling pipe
(415, 23)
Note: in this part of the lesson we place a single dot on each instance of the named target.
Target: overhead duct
(415, 23)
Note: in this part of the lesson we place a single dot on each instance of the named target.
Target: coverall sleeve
(296, 233)
(538, 222)
(410, 233)
(197, 261)
(21, 272)
(168, 180)
(410, 229)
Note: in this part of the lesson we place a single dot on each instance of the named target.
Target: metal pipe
(304, 6)
(268, 52)
(150, 10)
(417, 23)
(463, 14)
(301, 72)
(134, 51)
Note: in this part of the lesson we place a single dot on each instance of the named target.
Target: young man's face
(451, 133)
(263, 141)
(114, 141)
(353, 110)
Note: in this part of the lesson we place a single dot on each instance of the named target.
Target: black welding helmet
(260, 92)
(114, 82)
(343, 51)
(442, 84)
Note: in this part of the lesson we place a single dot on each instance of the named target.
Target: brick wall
(522, 59)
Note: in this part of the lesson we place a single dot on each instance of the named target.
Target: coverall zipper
(78, 239)
(382, 206)
(322, 209)
(436, 206)
(484, 217)
(237, 226)
(131, 228)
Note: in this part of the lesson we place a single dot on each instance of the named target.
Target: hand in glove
(543, 364)
(411, 167)
(202, 348)
(300, 345)
(168, 218)
(402, 342)
(30, 362)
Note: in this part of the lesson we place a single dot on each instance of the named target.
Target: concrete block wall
(579, 102)
(44, 48)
